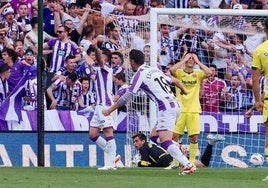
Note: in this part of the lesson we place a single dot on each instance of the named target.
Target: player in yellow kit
(190, 105)
(260, 62)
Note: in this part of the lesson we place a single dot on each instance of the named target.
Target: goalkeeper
(152, 155)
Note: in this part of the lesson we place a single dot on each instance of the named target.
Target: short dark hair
(4, 67)
(91, 49)
(141, 136)
(137, 56)
(84, 78)
(34, 21)
(107, 52)
(96, 6)
(70, 57)
(212, 65)
(12, 53)
(121, 76)
(71, 5)
(73, 76)
(120, 55)
(88, 29)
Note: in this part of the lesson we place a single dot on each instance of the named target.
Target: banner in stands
(79, 121)
(75, 149)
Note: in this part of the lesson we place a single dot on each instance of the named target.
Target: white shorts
(100, 121)
(166, 119)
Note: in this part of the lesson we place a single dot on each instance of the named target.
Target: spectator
(14, 32)
(221, 45)
(30, 4)
(31, 38)
(65, 94)
(89, 39)
(4, 75)
(238, 22)
(48, 13)
(87, 94)
(212, 91)
(19, 48)
(23, 19)
(127, 24)
(113, 42)
(120, 80)
(61, 48)
(17, 69)
(235, 92)
(68, 68)
(29, 57)
(140, 38)
(4, 41)
(75, 29)
(97, 19)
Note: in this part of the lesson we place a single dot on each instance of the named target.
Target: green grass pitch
(131, 178)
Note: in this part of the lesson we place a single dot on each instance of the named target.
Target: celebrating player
(157, 86)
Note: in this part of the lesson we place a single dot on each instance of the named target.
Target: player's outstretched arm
(250, 111)
(121, 102)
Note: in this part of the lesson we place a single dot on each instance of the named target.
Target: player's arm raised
(207, 71)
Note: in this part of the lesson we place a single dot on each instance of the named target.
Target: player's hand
(184, 91)
(106, 112)
(259, 106)
(53, 104)
(248, 114)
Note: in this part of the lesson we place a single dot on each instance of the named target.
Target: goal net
(224, 38)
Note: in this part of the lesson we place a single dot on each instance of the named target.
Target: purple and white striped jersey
(66, 96)
(60, 51)
(3, 90)
(122, 90)
(156, 85)
(104, 84)
(33, 92)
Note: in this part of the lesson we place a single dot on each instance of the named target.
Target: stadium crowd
(79, 34)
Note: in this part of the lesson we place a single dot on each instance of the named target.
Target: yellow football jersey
(192, 82)
(260, 61)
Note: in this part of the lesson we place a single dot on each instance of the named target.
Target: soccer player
(151, 155)
(104, 99)
(191, 80)
(260, 62)
(157, 86)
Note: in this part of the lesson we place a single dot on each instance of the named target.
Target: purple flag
(11, 107)
(66, 120)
